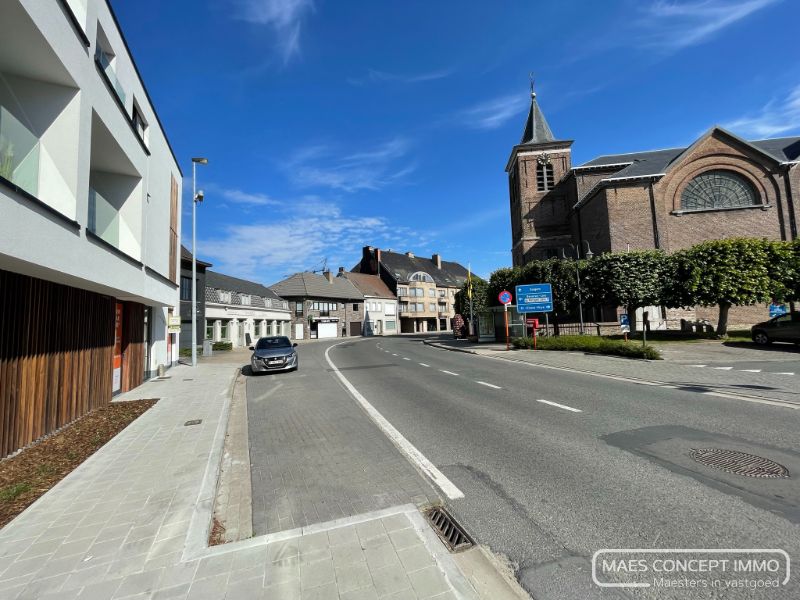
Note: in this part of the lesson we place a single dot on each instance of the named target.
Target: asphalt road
(554, 465)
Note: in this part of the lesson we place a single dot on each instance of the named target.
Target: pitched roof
(537, 131)
(313, 285)
(369, 285)
(242, 286)
(401, 267)
(186, 255)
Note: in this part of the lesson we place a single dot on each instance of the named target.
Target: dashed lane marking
(424, 365)
(491, 385)
(784, 373)
(404, 358)
(448, 372)
(750, 370)
(697, 366)
(564, 406)
(723, 368)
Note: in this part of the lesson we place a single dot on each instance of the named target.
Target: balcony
(105, 62)
(104, 219)
(19, 153)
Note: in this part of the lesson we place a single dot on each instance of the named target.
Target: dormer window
(421, 276)
(545, 180)
(224, 297)
(244, 300)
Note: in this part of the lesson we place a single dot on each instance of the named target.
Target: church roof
(537, 131)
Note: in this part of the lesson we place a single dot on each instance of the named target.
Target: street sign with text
(534, 298)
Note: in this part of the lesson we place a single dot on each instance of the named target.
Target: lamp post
(588, 254)
(196, 197)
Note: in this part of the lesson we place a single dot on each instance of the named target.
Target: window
(223, 330)
(441, 293)
(420, 307)
(267, 343)
(209, 330)
(139, 124)
(431, 292)
(544, 174)
(186, 288)
(432, 307)
(390, 326)
(173, 230)
(404, 307)
(421, 276)
(718, 190)
(298, 308)
(355, 307)
(402, 291)
(378, 306)
(244, 300)
(224, 297)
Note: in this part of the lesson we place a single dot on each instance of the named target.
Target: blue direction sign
(535, 298)
(776, 310)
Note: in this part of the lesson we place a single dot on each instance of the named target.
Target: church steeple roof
(537, 131)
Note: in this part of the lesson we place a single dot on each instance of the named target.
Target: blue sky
(331, 125)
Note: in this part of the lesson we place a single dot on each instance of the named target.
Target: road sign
(624, 323)
(534, 298)
(776, 310)
(504, 297)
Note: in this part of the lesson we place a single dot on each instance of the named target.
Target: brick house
(322, 306)
(720, 186)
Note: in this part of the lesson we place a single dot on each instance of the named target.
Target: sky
(331, 125)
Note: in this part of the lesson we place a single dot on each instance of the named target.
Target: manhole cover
(450, 532)
(740, 463)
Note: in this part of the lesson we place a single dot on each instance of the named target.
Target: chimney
(328, 276)
(410, 254)
(341, 270)
(437, 260)
(370, 260)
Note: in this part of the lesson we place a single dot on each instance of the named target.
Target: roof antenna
(533, 93)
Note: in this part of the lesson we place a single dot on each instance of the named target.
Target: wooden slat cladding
(173, 230)
(132, 345)
(56, 345)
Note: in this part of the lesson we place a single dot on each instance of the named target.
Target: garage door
(326, 330)
(355, 328)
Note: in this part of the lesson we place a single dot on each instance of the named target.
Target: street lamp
(588, 254)
(196, 197)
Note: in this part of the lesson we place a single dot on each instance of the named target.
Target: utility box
(207, 351)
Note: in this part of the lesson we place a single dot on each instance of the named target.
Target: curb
(443, 347)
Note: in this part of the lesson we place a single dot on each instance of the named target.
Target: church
(720, 186)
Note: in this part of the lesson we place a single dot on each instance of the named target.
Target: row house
(90, 198)
(425, 287)
(380, 303)
(241, 311)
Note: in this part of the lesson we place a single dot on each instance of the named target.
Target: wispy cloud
(669, 26)
(284, 17)
(775, 118)
(493, 113)
(374, 76)
(369, 169)
(248, 198)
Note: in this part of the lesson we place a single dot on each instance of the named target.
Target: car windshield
(268, 343)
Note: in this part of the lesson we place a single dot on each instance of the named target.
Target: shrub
(588, 343)
(222, 346)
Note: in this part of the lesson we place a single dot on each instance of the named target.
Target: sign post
(624, 325)
(535, 298)
(505, 299)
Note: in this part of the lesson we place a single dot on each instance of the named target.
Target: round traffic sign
(504, 297)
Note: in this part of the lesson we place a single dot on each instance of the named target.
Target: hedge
(588, 343)
(220, 346)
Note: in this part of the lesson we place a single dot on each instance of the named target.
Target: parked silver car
(274, 353)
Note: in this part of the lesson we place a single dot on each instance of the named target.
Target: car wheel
(760, 338)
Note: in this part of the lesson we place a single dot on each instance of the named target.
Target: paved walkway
(133, 522)
(715, 373)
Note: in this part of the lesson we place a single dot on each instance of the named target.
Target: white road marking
(491, 385)
(448, 372)
(406, 447)
(424, 365)
(784, 373)
(404, 358)
(564, 406)
(756, 400)
(723, 368)
(698, 366)
(750, 370)
(393, 354)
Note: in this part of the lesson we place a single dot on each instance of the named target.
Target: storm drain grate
(193, 422)
(740, 463)
(450, 532)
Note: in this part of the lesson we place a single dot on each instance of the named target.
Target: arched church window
(718, 189)
(544, 174)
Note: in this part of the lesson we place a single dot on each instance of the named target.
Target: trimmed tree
(724, 273)
(629, 279)
(503, 279)
(480, 297)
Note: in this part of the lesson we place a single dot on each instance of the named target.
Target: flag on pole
(469, 281)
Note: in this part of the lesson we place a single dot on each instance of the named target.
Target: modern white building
(237, 308)
(90, 201)
(380, 304)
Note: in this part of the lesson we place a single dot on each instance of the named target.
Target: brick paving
(316, 456)
(133, 520)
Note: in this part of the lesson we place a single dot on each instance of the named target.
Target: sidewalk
(133, 522)
(769, 386)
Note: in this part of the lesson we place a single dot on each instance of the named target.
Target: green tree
(724, 273)
(506, 278)
(480, 297)
(629, 279)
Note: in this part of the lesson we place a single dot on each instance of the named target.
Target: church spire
(537, 131)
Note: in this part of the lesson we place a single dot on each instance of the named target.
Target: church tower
(537, 169)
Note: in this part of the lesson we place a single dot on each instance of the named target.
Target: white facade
(91, 183)
(380, 316)
(228, 322)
